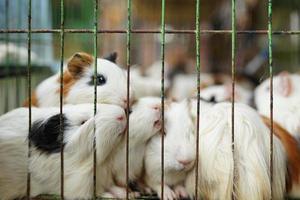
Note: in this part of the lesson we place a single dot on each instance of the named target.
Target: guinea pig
(78, 81)
(222, 93)
(144, 122)
(184, 85)
(46, 140)
(144, 86)
(179, 152)
(251, 156)
(286, 101)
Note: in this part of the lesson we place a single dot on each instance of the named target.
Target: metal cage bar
(163, 13)
(128, 61)
(233, 71)
(61, 124)
(151, 31)
(197, 32)
(198, 37)
(95, 98)
(271, 89)
(29, 96)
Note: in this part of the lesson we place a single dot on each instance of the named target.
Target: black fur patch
(112, 57)
(46, 135)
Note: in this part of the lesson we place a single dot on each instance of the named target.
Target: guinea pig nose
(121, 118)
(156, 107)
(185, 162)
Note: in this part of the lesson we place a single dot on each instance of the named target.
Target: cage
(230, 39)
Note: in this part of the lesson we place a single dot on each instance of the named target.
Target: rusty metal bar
(198, 38)
(233, 69)
(271, 89)
(29, 98)
(61, 124)
(150, 31)
(6, 99)
(163, 9)
(128, 61)
(95, 98)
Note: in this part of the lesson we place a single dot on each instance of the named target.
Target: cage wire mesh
(26, 41)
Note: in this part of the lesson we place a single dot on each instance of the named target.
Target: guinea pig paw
(169, 194)
(107, 195)
(118, 192)
(148, 190)
(181, 192)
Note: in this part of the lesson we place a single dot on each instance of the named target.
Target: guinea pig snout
(185, 162)
(121, 117)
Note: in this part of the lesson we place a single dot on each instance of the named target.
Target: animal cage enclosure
(37, 64)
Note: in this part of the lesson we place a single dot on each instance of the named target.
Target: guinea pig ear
(112, 57)
(285, 86)
(78, 63)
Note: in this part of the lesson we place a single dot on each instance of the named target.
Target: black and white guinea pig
(179, 152)
(45, 138)
(78, 81)
(144, 123)
(286, 101)
(221, 93)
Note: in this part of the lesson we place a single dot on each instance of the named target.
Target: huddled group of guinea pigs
(244, 172)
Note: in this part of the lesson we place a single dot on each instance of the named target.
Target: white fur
(185, 86)
(18, 53)
(252, 139)
(144, 122)
(78, 152)
(286, 109)
(113, 92)
(223, 93)
(144, 85)
(179, 144)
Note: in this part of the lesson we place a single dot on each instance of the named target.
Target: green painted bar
(271, 88)
(198, 68)
(29, 92)
(128, 61)
(95, 97)
(163, 10)
(233, 66)
(62, 38)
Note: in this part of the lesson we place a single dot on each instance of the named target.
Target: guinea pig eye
(100, 80)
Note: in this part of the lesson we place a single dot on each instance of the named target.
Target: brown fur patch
(292, 150)
(76, 66)
(78, 63)
(34, 101)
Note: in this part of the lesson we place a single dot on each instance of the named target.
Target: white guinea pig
(286, 101)
(144, 122)
(45, 137)
(78, 81)
(252, 139)
(179, 152)
(220, 93)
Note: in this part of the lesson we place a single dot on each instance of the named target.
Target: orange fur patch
(34, 101)
(292, 150)
(76, 66)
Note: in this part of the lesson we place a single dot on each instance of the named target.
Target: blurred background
(252, 49)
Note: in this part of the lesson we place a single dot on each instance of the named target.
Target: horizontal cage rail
(149, 31)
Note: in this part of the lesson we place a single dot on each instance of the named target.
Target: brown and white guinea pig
(144, 123)
(78, 81)
(179, 152)
(251, 155)
(45, 138)
(220, 93)
(286, 101)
